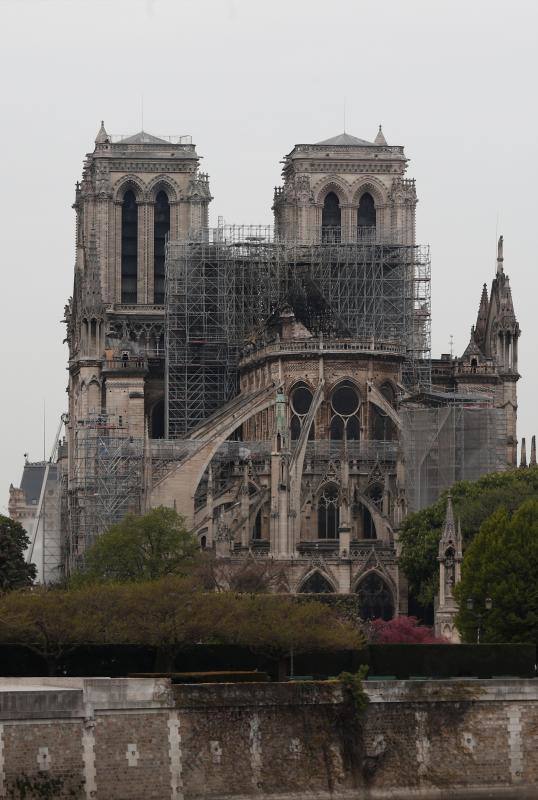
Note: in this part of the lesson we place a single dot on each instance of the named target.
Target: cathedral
(273, 384)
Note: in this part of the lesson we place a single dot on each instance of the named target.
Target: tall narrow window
(161, 229)
(331, 219)
(129, 248)
(366, 216)
(328, 513)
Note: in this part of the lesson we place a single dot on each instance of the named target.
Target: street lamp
(480, 614)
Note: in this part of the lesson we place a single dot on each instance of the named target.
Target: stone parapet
(108, 739)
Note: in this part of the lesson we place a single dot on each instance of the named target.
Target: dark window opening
(337, 429)
(257, 529)
(129, 248)
(316, 584)
(388, 393)
(366, 215)
(203, 542)
(328, 513)
(375, 493)
(331, 219)
(301, 400)
(345, 400)
(384, 428)
(353, 431)
(375, 598)
(295, 427)
(157, 420)
(367, 523)
(161, 230)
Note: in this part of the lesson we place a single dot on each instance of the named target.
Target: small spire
(102, 136)
(523, 460)
(532, 462)
(500, 256)
(380, 139)
(449, 518)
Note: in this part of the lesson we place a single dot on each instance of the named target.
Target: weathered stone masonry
(122, 739)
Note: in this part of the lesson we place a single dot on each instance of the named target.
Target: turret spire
(102, 135)
(380, 139)
(532, 462)
(500, 256)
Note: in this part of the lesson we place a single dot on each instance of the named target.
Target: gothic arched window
(257, 527)
(160, 231)
(366, 214)
(367, 523)
(301, 400)
(384, 429)
(157, 420)
(375, 598)
(331, 219)
(345, 404)
(328, 512)
(316, 584)
(129, 248)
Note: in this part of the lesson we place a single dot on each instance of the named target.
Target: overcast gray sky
(455, 82)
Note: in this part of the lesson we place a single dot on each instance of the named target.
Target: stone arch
(163, 183)
(126, 183)
(331, 184)
(181, 484)
(377, 595)
(374, 187)
(313, 579)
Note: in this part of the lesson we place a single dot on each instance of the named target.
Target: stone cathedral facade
(295, 451)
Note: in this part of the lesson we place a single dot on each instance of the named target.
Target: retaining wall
(136, 739)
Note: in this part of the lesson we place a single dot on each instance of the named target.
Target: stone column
(115, 293)
(142, 265)
(150, 251)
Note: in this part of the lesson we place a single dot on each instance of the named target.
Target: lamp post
(479, 615)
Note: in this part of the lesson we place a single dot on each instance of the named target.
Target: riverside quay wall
(136, 739)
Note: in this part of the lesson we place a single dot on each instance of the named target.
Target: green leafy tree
(474, 502)
(502, 563)
(140, 548)
(279, 624)
(48, 622)
(15, 573)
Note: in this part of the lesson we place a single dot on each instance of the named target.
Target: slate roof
(143, 138)
(345, 138)
(32, 480)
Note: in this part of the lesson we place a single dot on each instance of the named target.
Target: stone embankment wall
(131, 739)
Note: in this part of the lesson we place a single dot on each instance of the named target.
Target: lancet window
(331, 219)
(345, 405)
(129, 248)
(366, 215)
(328, 512)
(301, 400)
(160, 232)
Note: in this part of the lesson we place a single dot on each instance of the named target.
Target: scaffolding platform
(224, 284)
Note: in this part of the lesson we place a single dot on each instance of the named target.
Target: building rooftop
(32, 479)
(345, 139)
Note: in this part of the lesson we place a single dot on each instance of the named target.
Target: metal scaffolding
(224, 285)
(458, 440)
(106, 483)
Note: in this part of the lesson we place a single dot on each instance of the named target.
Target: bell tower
(135, 192)
(346, 189)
